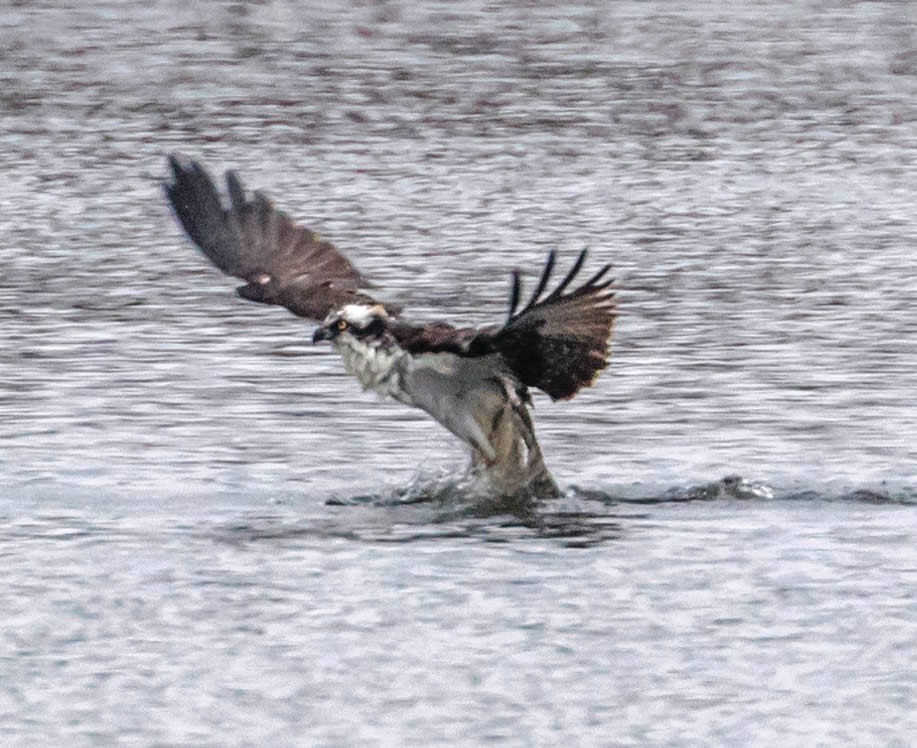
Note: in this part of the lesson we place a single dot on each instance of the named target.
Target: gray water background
(210, 536)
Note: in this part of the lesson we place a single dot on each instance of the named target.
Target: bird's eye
(342, 324)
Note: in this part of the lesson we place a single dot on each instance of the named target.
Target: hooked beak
(322, 333)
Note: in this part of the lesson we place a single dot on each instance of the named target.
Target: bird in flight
(475, 382)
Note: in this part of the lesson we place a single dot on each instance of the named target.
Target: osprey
(475, 382)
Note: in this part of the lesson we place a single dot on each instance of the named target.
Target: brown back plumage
(434, 337)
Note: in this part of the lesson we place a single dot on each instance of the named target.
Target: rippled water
(210, 536)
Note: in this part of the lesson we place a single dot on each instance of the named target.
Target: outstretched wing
(282, 262)
(558, 343)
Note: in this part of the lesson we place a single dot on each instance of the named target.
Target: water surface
(211, 536)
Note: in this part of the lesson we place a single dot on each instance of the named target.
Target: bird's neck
(376, 365)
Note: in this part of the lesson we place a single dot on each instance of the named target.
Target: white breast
(376, 367)
(477, 399)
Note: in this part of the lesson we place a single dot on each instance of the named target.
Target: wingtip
(594, 281)
(571, 274)
(236, 190)
(178, 162)
(515, 292)
(544, 280)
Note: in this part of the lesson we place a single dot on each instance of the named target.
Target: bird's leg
(517, 464)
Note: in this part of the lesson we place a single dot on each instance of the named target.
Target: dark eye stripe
(374, 328)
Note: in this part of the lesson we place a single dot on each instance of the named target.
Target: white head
(362, 321)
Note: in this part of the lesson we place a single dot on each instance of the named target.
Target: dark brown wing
(284, 263)
(558, 343)
(437, 337)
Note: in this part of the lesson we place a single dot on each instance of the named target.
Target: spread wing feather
(283, 263)
(558, 343)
